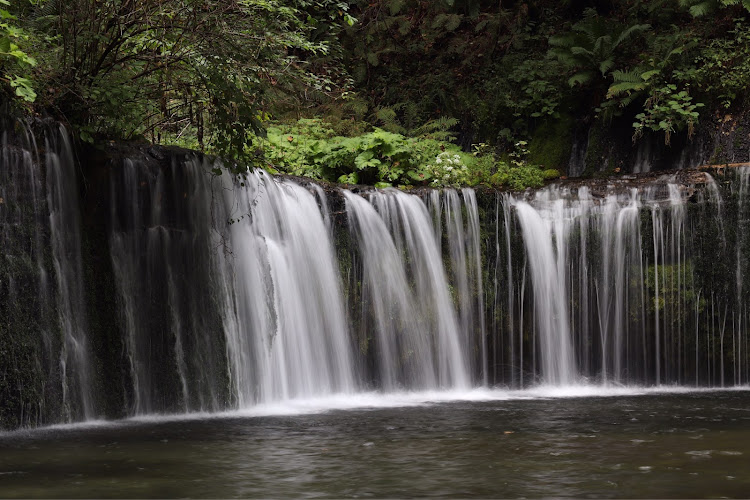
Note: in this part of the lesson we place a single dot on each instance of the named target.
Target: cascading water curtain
(645, 286)
(223, 293)
(45, 357)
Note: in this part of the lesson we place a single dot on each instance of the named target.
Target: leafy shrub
(668, 110)
(12, 57)
(723, 67)
(310, 148)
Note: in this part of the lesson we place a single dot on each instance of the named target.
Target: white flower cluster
(448, 170)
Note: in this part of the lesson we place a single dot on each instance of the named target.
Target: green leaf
(419, 176)
(23, 88)
(352, 178)
(365, 160)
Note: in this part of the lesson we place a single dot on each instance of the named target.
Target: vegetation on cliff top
(377, 91)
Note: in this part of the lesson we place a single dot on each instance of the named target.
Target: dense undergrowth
(386, 92)
(312, 148)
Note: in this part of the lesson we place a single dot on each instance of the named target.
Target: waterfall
(28, 328)
(65, 235)
(419, 341)
(290, 339)
(149, 284)
(743, 239)
(166, 257)
(408, 220)
(629, 286)
(474, 269)
(43, 317)
(545, 237)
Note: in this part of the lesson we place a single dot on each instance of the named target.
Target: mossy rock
(551, 144)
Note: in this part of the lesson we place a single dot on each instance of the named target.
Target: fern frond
(561, 41)
(388, 118)
(581, 51)
(581, 78)
(624, 88)
(46, 14)
(395, 6)
(438, 128)
(632, 76)
(357, 106)
(702, 9)
(633, 30)
(729, 3)
(606, 65)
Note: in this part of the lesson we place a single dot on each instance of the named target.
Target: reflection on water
(652, 445)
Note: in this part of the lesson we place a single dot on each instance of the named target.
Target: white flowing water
(165, 259)
(545, 237)
(420, 345)
(290, 339)
(249, 292)
(65, 235)
(474, 271)
(408, 220)
(591, 304)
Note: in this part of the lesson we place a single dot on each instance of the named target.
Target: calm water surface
(653, 445)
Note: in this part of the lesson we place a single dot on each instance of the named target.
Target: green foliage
(700, 8)
(14, 60)
(676, 283)
(515, 172)
(448, 169)
(592, 47)
(186, 70)
(486, 67)
(309, 148)
(655, 71)
(297, 149)
(722, 68)
(214, 75)
(448, 45)
(668, 110)
(659, 88)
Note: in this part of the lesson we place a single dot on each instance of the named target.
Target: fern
(396, 6)
(592, 46)
(606, 65)
(46, 14)
(629, 32)
(389, 120)
(698, 8)
(702, 9)
(438, 129)
(581, 78)
(357, 106)
(632, 76)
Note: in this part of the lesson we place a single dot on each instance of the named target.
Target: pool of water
(626, 443)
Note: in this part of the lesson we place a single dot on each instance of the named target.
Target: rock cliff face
(29, 334)
(600, 149)
(134, 280)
